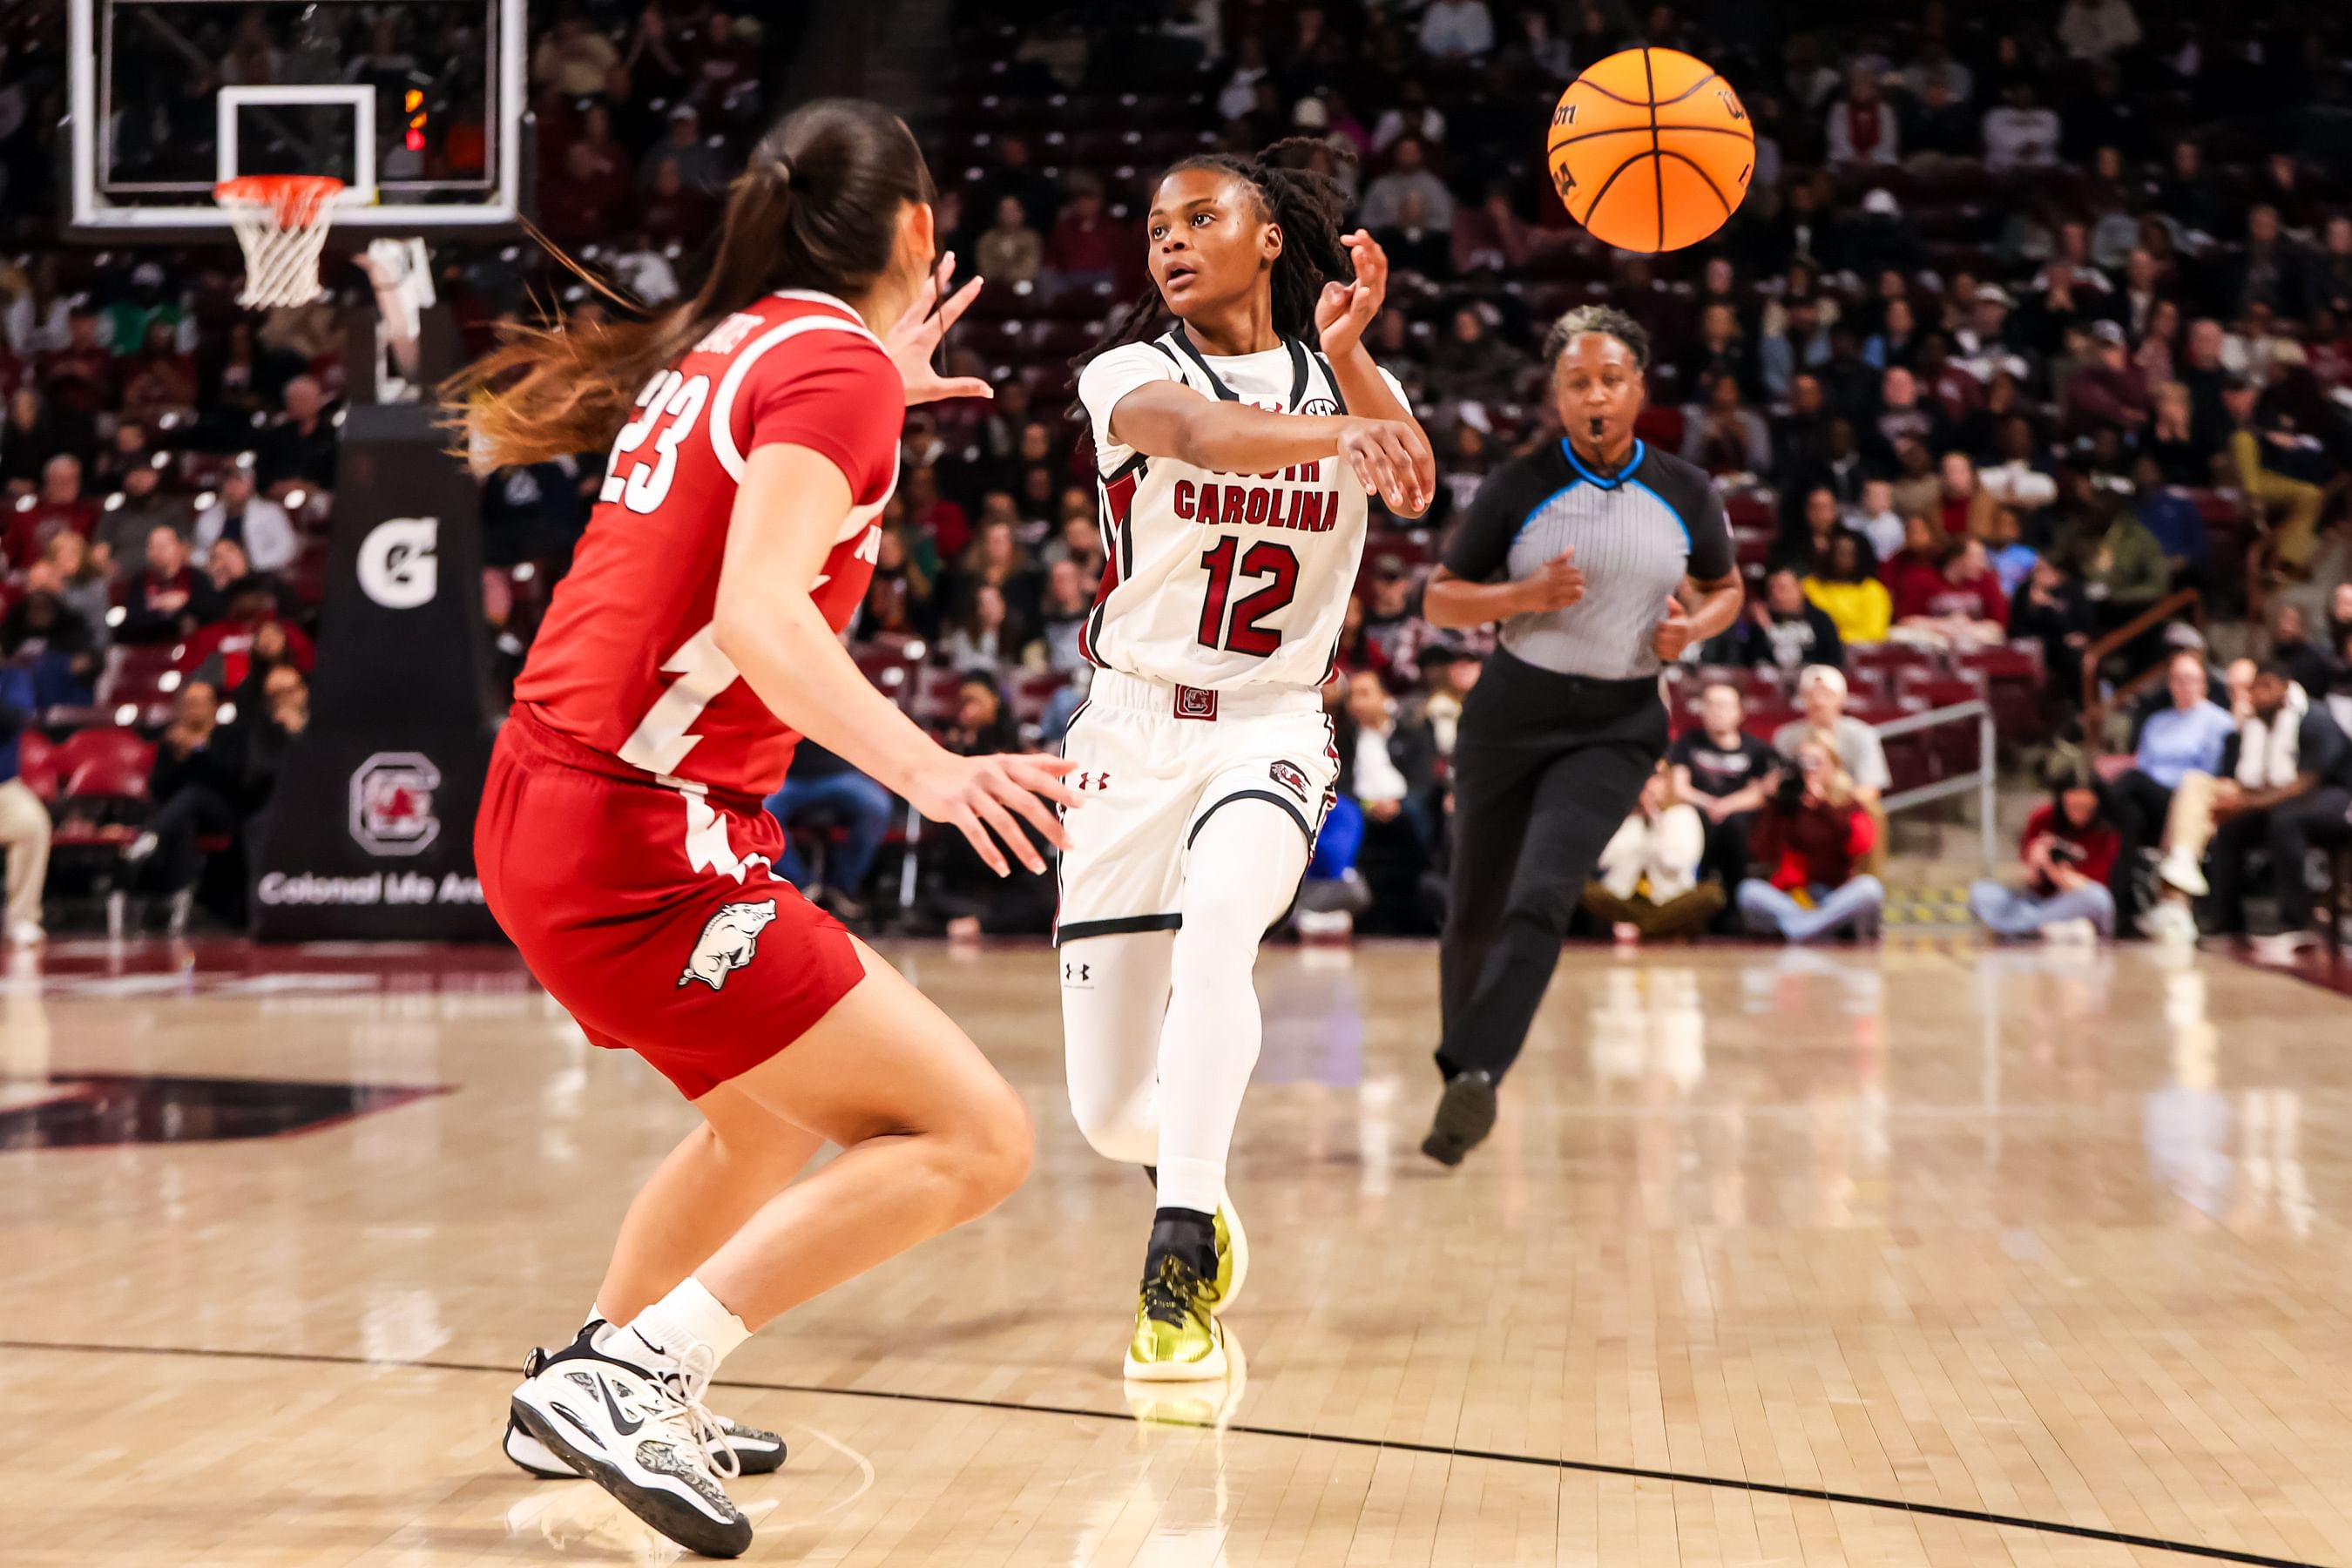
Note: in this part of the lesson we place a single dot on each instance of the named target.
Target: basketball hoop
(281, 221)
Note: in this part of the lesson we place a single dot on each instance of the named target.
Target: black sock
(1187, 1234)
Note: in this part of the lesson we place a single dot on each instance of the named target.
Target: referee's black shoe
(1464, 1116)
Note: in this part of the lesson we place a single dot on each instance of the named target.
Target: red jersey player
(622, 843)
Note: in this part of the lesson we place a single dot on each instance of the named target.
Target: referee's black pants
(1546, 769)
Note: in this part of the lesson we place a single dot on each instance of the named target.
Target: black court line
(1438, 1451)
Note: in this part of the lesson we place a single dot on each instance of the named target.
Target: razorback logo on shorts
(1292, 777)
(1193, 702)
(730, 940)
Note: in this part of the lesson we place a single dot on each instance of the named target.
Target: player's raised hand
(916, 338)
(1393, 461)
(980, 796)
(1345, 309)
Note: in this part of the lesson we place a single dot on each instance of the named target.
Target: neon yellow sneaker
(1176, 1336)
(1233, 1258)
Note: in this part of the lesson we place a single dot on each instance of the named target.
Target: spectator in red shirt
(2109, 392)
(80, 376)
(1962, 604)
(930, 512)
(1916, 567)
(578, 203)
(1086, 246)
(1810, 839)
(60, 505)
(2069, 849)
(251, 630)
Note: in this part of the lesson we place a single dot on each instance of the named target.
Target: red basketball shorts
(650, 913)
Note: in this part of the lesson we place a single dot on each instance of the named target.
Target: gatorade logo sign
(397, 566)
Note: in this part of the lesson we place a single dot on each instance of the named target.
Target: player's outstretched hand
(1345, 309)
(1393, 461)
(980, 796)
(916, 338)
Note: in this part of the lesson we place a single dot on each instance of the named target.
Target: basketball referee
(1603, 560)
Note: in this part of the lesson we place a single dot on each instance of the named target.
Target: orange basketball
(1650, 150)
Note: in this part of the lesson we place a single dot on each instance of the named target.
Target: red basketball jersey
(626, 662)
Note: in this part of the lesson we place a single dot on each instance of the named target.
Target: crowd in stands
(2033, 320)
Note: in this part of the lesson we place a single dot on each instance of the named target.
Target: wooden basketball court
(1930, 1255)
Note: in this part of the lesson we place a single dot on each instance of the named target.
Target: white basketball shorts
(1154, 762)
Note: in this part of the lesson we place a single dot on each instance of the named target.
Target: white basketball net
(281, 221)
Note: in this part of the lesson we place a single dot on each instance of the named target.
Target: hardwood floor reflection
(1769, 1252)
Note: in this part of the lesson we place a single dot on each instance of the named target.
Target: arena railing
(1979, 779)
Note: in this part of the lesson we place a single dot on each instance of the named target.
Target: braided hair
(1307, 206)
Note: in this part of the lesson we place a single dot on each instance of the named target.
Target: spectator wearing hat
(2068, 849)
(1821, 693)
(129, 519)
(123, 325)
(1988, 341)
(2109, 392)
(698, 162)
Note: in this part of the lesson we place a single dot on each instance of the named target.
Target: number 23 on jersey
(639, 481)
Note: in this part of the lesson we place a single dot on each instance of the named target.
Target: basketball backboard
(417, 106)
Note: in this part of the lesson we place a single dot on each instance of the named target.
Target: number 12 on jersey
(1241, 632)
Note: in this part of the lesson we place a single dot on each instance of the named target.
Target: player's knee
(1116, 1121)
(992, 1145)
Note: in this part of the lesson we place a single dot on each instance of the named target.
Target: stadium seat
(36, 763)
(103, 744)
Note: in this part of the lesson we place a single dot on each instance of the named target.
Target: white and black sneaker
(643, 1434)
(757, 1452)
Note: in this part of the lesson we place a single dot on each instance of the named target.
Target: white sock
(666, 1331)
(1238, 876)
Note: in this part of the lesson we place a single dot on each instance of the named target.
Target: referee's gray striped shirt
(1636, 533)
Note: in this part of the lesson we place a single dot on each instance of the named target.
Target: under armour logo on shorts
(1192, 702)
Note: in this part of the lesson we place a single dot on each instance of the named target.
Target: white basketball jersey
(1222, 580)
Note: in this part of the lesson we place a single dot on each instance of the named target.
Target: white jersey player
(1236, 452)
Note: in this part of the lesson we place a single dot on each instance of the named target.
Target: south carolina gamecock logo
(391, 803)
(1290, 776)
(729, 941)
